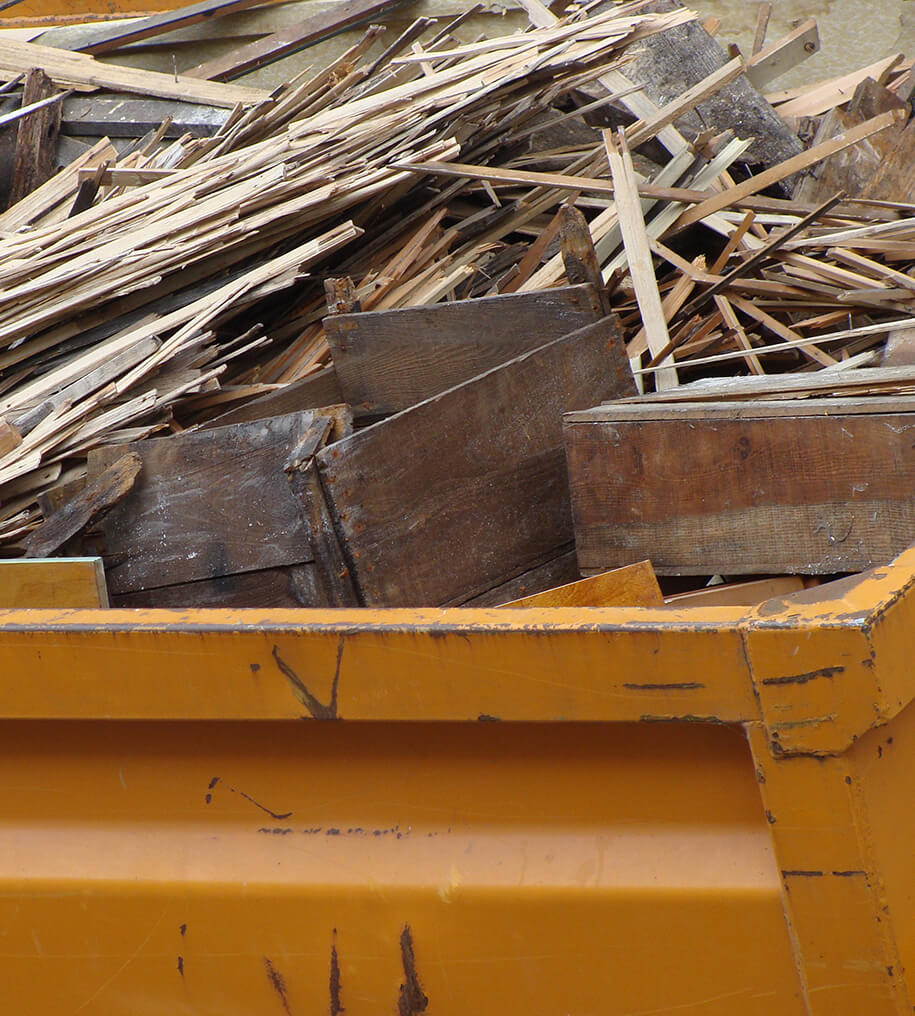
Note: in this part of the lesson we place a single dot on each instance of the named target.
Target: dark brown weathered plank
(290, 40)
(462, 492)
(313, 392)
(292, 586)
(36, 140)
(333, 574)
(768, 488)
(208, 504)
(556, 572)
(389, 360)
(108, 489)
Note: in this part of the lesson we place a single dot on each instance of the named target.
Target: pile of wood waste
(454, 320)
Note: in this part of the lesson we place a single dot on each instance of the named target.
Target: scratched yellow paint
(538, 868)
(501, 811)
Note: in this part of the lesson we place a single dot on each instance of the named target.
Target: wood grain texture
(460, 493)
(634, 585)
(332, 571)
(106, 490)
(292, 586)
(80, 69)
(314, 392)
(673, 61)
(36, 140)
(53, 582)
(291, 40)
(704, 494)
(738, 594)
(879, 167)
(558, 571)
(207, 504)
(387, 361)
(107, 39)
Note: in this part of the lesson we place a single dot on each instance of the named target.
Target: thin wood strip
(791, 166)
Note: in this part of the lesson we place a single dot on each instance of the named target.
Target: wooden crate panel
(461, 493)
(773, 488)
(390, 360)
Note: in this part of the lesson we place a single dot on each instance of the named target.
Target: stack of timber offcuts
(319, 349)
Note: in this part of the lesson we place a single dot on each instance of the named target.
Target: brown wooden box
(815, 487)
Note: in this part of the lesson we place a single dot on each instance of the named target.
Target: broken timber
(479, 466)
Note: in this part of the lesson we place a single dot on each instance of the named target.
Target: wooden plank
(559, 570)
(793, 165)
(208, 504)
(333, 573)
(635, 585)
(738, 594)
(763, 13)
(313, 392)
(643, 130)
(10, 437)
(273, 588)
(256, 54)
(109, 488)
(812, 100)
(64, 583)
(77, 68)
(134, 30)
(36, 140)
(57, 190)
(450, 498)
(126, 116)
(669, 63)
(638, 255)
(387, 361)
(579, 257)
(784, 54)
(792, 494)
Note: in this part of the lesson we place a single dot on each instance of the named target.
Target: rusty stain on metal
(810, 675)
(412, 1000)
(318, 710)
(336, 1006)
(278, 816)
(681, 686)
(278, 983)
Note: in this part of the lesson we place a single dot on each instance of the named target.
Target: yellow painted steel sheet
(76, 11)
(532, 868)
(615, 811)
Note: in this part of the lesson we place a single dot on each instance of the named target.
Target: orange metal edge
(31, 13)
(811, 672)
(810, 682)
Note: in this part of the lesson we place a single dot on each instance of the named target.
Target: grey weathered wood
(131, 117)
(208, 504)
(110, 487)
(669, 63)
(313, 392)
(463, 492)
(108, 38)
(36, 141)
(389, 360)
(272, 47)
(762, 490)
